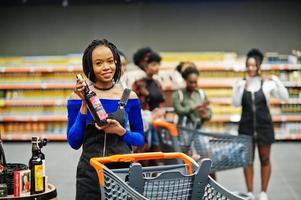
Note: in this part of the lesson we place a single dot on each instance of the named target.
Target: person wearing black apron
(97, 143)
(101, 63)
(253, 94)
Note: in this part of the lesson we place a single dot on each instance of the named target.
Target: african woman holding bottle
(101, 65)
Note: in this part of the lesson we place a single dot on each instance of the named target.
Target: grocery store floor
(61, 163)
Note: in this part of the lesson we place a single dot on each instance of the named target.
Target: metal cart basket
(181, 181)
(226, 151)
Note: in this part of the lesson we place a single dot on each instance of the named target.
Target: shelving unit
(219, 72)
(34, 92)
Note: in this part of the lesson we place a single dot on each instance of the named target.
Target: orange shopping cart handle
(171, 127)
(99, 161)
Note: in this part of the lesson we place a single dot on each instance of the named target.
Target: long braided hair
(87, 59)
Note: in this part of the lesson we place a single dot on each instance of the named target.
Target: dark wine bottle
(94, 104)
(37, 183)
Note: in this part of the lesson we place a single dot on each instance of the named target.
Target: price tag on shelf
(266, 66)
(70, 68)
(283, 118)
(50, 69)
(234, 118)
(32, 69)
(59, 102)
(44, 85)
(34, 118)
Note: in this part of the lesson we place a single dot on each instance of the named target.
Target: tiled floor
(61, 161)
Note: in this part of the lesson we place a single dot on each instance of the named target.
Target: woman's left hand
(112, 127)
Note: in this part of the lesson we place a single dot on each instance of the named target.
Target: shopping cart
(226, 151)
(187, 180)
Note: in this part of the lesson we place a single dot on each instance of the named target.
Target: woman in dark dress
(253, 94)
(149, 91)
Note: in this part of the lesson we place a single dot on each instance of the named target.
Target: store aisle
(61, 163)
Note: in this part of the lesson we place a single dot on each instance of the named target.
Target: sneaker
(251, 196)
(263, 196)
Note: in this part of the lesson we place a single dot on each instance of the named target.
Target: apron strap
(124, 97)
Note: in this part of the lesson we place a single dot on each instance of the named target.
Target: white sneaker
(251, 196)
(263, 196)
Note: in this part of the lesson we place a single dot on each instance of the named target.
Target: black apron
(87, 184)
(256, 119)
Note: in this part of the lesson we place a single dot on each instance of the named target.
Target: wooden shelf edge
(27, 137)
(40, 69)
(20, 86)
(289, 137)
(201, 84)
(236, 118)
(34, 118)
(227, 101)
(33, 102)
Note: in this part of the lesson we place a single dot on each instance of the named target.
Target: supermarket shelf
(29, 86)
(218, 66)
(27, 137)
(40, 69)
(34, 118)
(227, 101)
(62, 136)
(32, 102)
(221, 66)
(236, 118)
(288, 136)
(218, 83)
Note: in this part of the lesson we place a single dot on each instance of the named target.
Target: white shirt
(272, 87)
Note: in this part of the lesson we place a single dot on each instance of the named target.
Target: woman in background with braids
(101, 64)
(253, 94)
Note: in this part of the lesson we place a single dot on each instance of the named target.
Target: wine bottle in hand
(94, 104)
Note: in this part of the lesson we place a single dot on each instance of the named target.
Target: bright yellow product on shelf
(20, 78)
(295, 76)
(39, 94)
(59, 76)
(197, 56)
(24, 110)
(218, 93)
(225, 110)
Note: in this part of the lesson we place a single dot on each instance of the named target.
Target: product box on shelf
(22, 183)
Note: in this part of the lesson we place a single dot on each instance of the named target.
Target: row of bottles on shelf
(33, 127)
(294, 92)
(275, 110)
(65, 93)
(291, 108)
(227, 92)
(165, 76)
(225, 110)
(31, 110)
(293, 75)
(36, 94)
(36, 77)
(232, 128)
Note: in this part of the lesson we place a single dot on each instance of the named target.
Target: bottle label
(98, 108)
(38, 177)
(44, 168)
